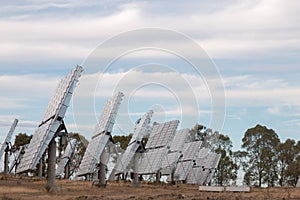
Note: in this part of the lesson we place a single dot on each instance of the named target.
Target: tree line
(263, 158)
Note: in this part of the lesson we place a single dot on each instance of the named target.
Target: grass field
(34, 188)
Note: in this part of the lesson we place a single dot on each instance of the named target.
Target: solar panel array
(63, 161)
(140, 129)
(203, 171)
(101, 135)
(8, 138)
(51, 120)
(162, 134)
(156, 147)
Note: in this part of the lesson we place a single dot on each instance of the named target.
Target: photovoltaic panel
(51, 121)
(169, 162)
(204, 170)
(212, 164)
(191, 150)
(179, 139)
(65, 157)
(151, 161)
(175, 151)
(182, 170)
(8, 137)
(101, 135)
(162, 134)
(139, 131)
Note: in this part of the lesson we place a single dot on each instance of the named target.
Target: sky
(251, 47)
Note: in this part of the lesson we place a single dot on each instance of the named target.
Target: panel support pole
(40, 170)
(135, 181)
(51, 165)
(6, 160)
(102, 169)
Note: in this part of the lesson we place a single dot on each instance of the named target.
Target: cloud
(234, 29)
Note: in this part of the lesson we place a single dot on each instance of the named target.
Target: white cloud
(242, 28)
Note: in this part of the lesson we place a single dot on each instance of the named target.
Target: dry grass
(28, 188)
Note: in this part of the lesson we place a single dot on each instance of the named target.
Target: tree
(286, 153)
(123, 140)
(227, 168)
(22, 139)
(291, 159)
(260, 162)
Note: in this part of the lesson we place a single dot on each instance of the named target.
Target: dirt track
(24, 188)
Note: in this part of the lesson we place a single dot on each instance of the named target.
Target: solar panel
(139, 131)
(150, 162)
(175, 151)
(101, 135)
(187, 161)
(191, 150)
(162, 134)
(212, 164)
(182, 170)
(8, 137)
(203, 171)
(169, 162)
(65, 157)
(51, 121)
(179, 140)
(195, 175)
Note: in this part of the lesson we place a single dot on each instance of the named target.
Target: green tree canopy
(259, 162)
(21, 139)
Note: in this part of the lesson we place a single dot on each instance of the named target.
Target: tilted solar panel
(191, 150)
(150, 162)
(8, 137)
(162, 134)
(101, 135)
(179, 139)
(51, 121)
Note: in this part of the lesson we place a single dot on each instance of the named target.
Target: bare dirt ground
(33, 188)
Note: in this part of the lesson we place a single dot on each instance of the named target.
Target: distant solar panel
(203, 171)
(182, 170)
(162, 134)
(179, 140)
(186, 163)
(169, 162)
(175, 151)
(151, 161)
(51, 121)
(65, 157)
(8, 138)
(191, 150)
(160, 137)
(139, 131)
(101, 135)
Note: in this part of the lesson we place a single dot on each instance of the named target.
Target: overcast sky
(255, 46)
